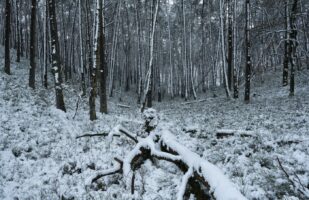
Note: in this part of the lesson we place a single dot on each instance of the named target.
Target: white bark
(148, 75)
(223, 50)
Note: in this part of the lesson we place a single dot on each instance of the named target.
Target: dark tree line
(156, 49)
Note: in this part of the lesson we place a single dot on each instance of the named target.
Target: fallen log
(123, 106)
(201, 178)
(224, 133)
(193, 102)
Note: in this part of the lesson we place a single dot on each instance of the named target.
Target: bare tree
(56, 67)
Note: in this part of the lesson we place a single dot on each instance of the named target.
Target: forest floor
(40, 157)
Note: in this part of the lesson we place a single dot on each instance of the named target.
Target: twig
(289, 178)
(286, 174)
(95, 135)
(123, 106)
(298, 180)
(128, 135)
(77, 105)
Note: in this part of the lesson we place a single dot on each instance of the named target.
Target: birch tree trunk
(148, 89)
(114, 49)
(139, 54)
(228, 93)
(235, 73)
(190, 58)
(83, 84)
(56, 67)
(171, 82)
(184, 50)
(230, 46)
(95, 63)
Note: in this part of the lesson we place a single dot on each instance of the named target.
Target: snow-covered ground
(40, 157)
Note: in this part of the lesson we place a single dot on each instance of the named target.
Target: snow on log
(220, 185)
(107, 172)
(201, 178)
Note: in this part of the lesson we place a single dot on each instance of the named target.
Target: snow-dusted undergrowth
(40, 157)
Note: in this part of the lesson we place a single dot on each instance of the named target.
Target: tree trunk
(293, 46)
(286, 47)
(96, 62)
(7, 67)
(45, 78)
(225, 78)
(230, 46)
(149, 76)
(56, 67)
(83, 83)
(235, 73)
(17, 31)
(248, 55)
(32, 45)
(103, 64)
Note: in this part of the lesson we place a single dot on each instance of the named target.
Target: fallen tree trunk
(193, 102)
(123, 106)
(222, 133)
(201, 178)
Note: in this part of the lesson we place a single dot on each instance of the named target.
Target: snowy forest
(154, 99)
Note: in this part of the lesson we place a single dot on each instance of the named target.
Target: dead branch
(95, 135)
(123, 106)
(77, 105)
(220, 134)
(288, 142)
(109, 172)
(192, 102)
(125, 132)
(290, 179)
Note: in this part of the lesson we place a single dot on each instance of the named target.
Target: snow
(184, 183)
(40, 157)
(221, 186)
